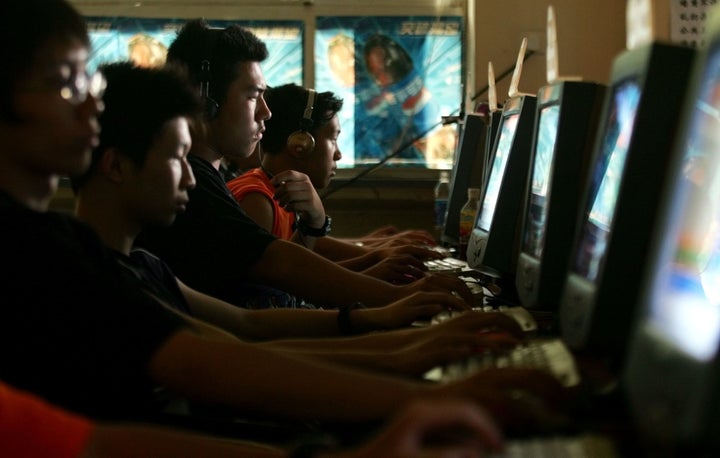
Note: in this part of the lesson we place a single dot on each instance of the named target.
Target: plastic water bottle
(468, 213)
(442, 192)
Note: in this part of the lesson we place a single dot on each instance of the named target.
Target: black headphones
(301, 140)
(210, 106)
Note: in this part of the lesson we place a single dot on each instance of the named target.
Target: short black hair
(26, 26)
(287, 103)
(397, 62)
(138, 102)
(222, 48)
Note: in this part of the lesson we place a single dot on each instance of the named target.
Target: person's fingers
(448, 423)
(534, 382)
(486, 321)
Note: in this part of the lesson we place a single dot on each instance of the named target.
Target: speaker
(210, 106)
(301, 140)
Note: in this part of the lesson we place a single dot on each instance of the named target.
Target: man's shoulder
(252, 181)
(21, 223)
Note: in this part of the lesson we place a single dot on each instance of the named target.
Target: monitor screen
(502, 152)
(606, 178)
(685, 299)
(537, 209)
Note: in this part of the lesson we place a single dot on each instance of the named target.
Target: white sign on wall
(687, 21)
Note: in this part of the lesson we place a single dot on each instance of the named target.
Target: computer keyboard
(520, 315)
(446, 265)
(545, 354)
(584, 446)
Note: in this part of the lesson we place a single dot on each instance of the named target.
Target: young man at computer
(82, 333)
(298, 156)
(139, 177)
(32, 428)
(214, 246)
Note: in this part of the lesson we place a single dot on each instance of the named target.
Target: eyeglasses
(75, 87)
(72, 85)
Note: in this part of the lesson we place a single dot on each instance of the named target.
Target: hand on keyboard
(521, 317)
(398, 269)
(522, 400)
(473, 321)
(431, 348)
(417, 306)
(447, 427)
(439, 282)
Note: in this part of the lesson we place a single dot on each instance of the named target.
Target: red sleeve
(31, 428)
(257, 181)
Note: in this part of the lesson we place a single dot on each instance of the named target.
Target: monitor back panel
(468, 172)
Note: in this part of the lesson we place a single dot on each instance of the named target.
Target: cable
(384, 160)
(452, 118)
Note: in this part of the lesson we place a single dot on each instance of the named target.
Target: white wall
(590, 34)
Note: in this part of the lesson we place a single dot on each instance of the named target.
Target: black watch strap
(313, 231)
(343, 318)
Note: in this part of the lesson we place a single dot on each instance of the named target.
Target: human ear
(113, 165)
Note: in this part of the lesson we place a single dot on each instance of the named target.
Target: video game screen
(535, 220)
(502, 152)
(685, 298)
(606, 178)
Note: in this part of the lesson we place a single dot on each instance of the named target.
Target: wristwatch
(313, 231)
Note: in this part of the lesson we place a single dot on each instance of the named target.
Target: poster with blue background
(398, 77)
(145, 41)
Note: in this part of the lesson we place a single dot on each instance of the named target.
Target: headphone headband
(301, 140)
(307, 121)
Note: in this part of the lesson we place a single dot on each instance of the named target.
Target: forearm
(377, 342)
(374, 351)
(270, 324)
(288, 324)
(261, 324)
(359, 263)
(255, 379)
(306, 274)
(123, 441)
(337, 249)
(379, 360)
(304, 241)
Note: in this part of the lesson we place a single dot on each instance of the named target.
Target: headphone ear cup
(301, 141)
(210, 108)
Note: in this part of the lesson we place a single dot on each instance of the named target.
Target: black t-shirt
(214, 243)
(156, 275)
(75, 327)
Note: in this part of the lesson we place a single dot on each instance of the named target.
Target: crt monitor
(565, 124)
(493, 241)
(468, 172)
(672, 373)
(620, 206)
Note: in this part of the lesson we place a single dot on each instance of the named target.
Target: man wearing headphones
(302, 137)
(214, 246)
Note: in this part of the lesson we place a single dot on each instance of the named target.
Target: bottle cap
(474, 193)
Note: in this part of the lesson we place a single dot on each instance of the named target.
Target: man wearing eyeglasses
(82, 332)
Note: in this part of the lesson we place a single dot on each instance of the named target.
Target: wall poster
(145, 41)
(398, 76)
